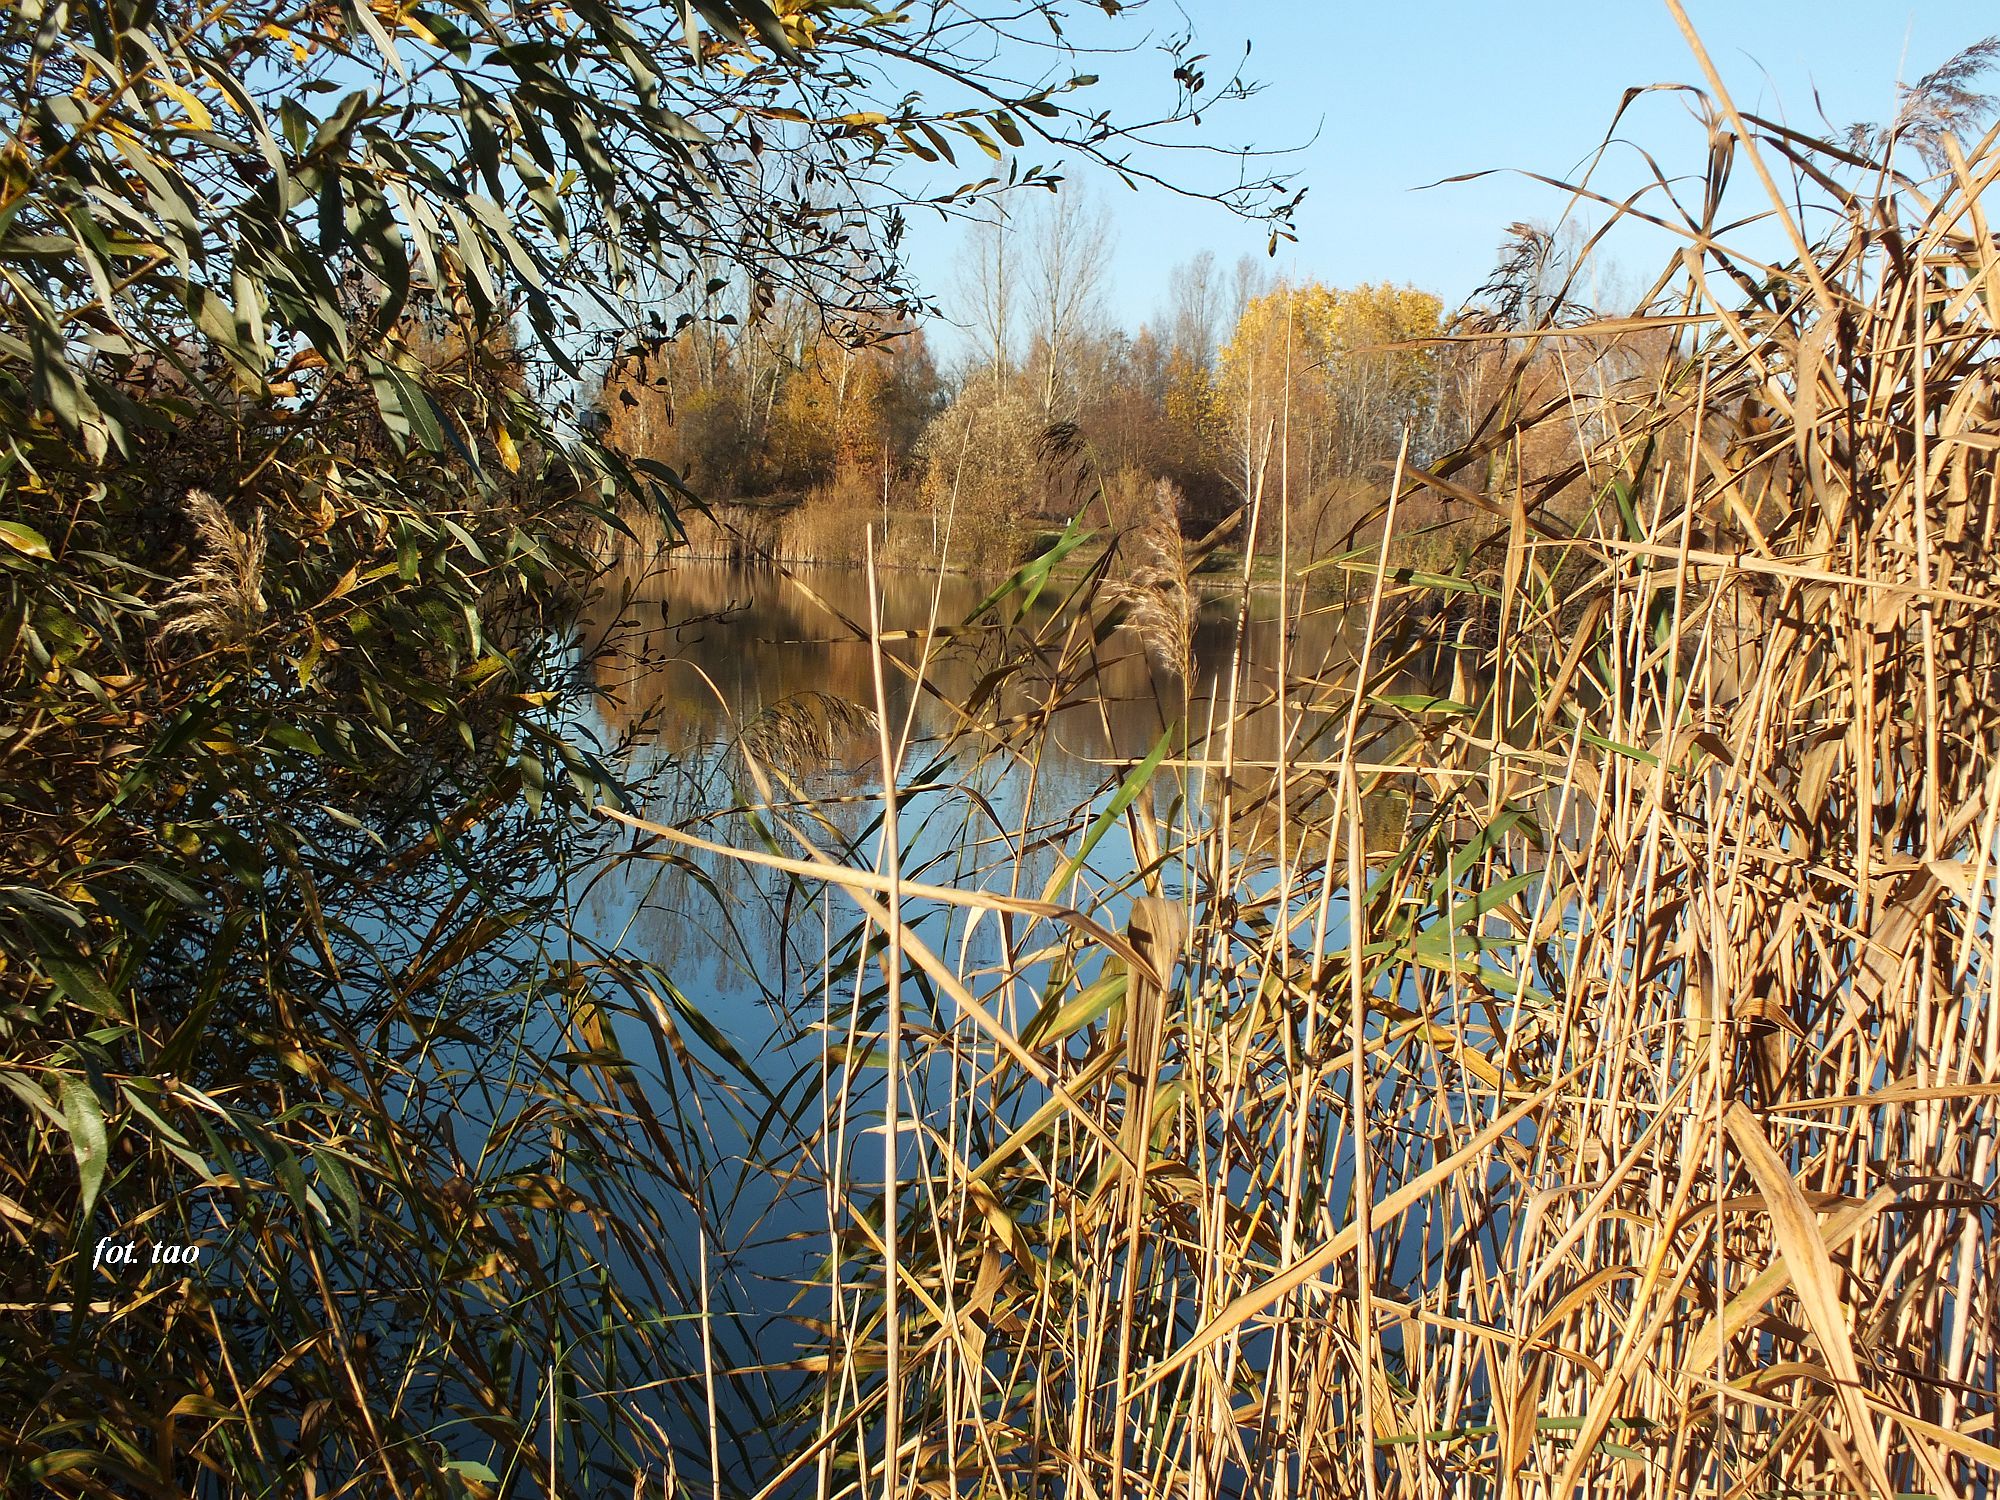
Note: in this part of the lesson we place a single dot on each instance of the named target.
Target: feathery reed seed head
(222, 596)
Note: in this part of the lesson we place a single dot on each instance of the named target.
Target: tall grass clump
(1619, 1117)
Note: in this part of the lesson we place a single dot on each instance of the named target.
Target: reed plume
(803, 732)
(1158, 592)
(222, 596)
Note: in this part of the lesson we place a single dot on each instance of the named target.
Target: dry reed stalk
(892, 1040)
(1635, 1132)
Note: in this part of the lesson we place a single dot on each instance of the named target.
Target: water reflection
(701, 662)
(700, 648)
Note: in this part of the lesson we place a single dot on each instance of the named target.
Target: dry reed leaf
(1959, 1442)
(1846, 1222)
(1522, 1404)
(1797, 1232)
(852, 880)
(1577, 1295)
(1888, 952)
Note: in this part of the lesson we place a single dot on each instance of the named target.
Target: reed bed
(1617, 1117)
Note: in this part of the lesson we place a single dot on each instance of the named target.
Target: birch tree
(1068, 259)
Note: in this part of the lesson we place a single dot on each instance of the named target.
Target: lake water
(703, 669)
(705, 660)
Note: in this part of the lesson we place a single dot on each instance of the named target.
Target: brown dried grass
(1633, 1134)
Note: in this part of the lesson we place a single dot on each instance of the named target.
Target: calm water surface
(704, 661)
(708, 659)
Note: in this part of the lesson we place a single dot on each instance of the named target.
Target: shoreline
(1211, 582)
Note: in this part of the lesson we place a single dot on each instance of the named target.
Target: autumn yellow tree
(1315, 386)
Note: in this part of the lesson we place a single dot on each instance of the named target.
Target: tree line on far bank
(795, 433)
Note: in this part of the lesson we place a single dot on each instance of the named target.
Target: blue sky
(1395, 94)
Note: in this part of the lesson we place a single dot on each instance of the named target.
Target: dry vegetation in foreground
(1633, 1134)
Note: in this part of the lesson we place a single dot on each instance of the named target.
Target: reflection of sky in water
(704, 655)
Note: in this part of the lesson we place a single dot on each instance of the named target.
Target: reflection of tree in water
(710, 661)
(707, 647)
